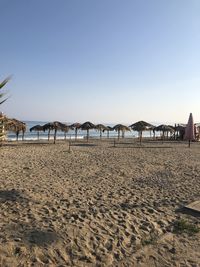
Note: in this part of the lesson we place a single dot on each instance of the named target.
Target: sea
(31, 136)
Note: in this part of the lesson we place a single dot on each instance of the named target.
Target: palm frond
(5, 82)
(2, 84)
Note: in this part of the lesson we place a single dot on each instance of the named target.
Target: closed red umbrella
(189, 130)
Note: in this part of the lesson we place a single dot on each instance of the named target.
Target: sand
(98, 205)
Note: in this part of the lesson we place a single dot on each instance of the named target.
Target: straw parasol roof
(15, 126)
(141, 126)
(101, 128)
(75, 126)
(164, 128)
(56, 125)
(37, 128)
(121, 128)
(86, 126)
(64, 128)
(108, 129)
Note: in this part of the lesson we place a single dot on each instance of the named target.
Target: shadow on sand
(84, 145)
(30, 232)
(188, 211)
(38, 237)
(12, 195)
(120, 145)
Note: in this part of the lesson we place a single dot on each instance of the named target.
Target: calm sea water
(71, 134)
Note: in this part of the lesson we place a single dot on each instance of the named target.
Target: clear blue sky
(101, 60)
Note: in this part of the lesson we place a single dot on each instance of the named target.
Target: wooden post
(2, 130)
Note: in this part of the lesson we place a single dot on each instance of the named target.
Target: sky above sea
(108, 61)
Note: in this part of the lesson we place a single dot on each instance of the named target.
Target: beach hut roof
(53, 125)
(164, 128)
(101, 127)
(141, 126)
(14, 125)
(75, 125)
(36, 128)
(87, 125)
(121, 127)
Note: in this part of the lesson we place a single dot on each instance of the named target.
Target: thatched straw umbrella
(164, 129)
(64, 128)
(108, 129)
(15, 126)
(141, 126)
(86, 126)
(179, 131)
(121, 128)
(101, 128)
(56, 125)
(38, 129)
(75, 126)
(48, 126)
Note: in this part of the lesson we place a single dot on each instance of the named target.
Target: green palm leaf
(2, 84)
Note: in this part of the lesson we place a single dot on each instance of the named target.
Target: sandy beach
(98, 205)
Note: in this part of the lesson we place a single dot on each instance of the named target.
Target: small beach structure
(37, 128)
(16, 126)
(56, 126)
(141, 126)
(189, 130)
(87, 126)
(121, 128)
(75, 126)
(108, 129)
(101, 128)
(64, 128)
(165, 129)
(179, 131)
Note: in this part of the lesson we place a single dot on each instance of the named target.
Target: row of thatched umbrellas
(139, 126)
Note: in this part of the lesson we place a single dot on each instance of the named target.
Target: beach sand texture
(98, 205)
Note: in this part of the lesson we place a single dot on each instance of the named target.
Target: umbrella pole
(76, 130)
(69, 150)
(140, 138)
(23, 135)
(48, 134)
(55, 136)
(87, 135)
(38, 135)
(17, 135)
